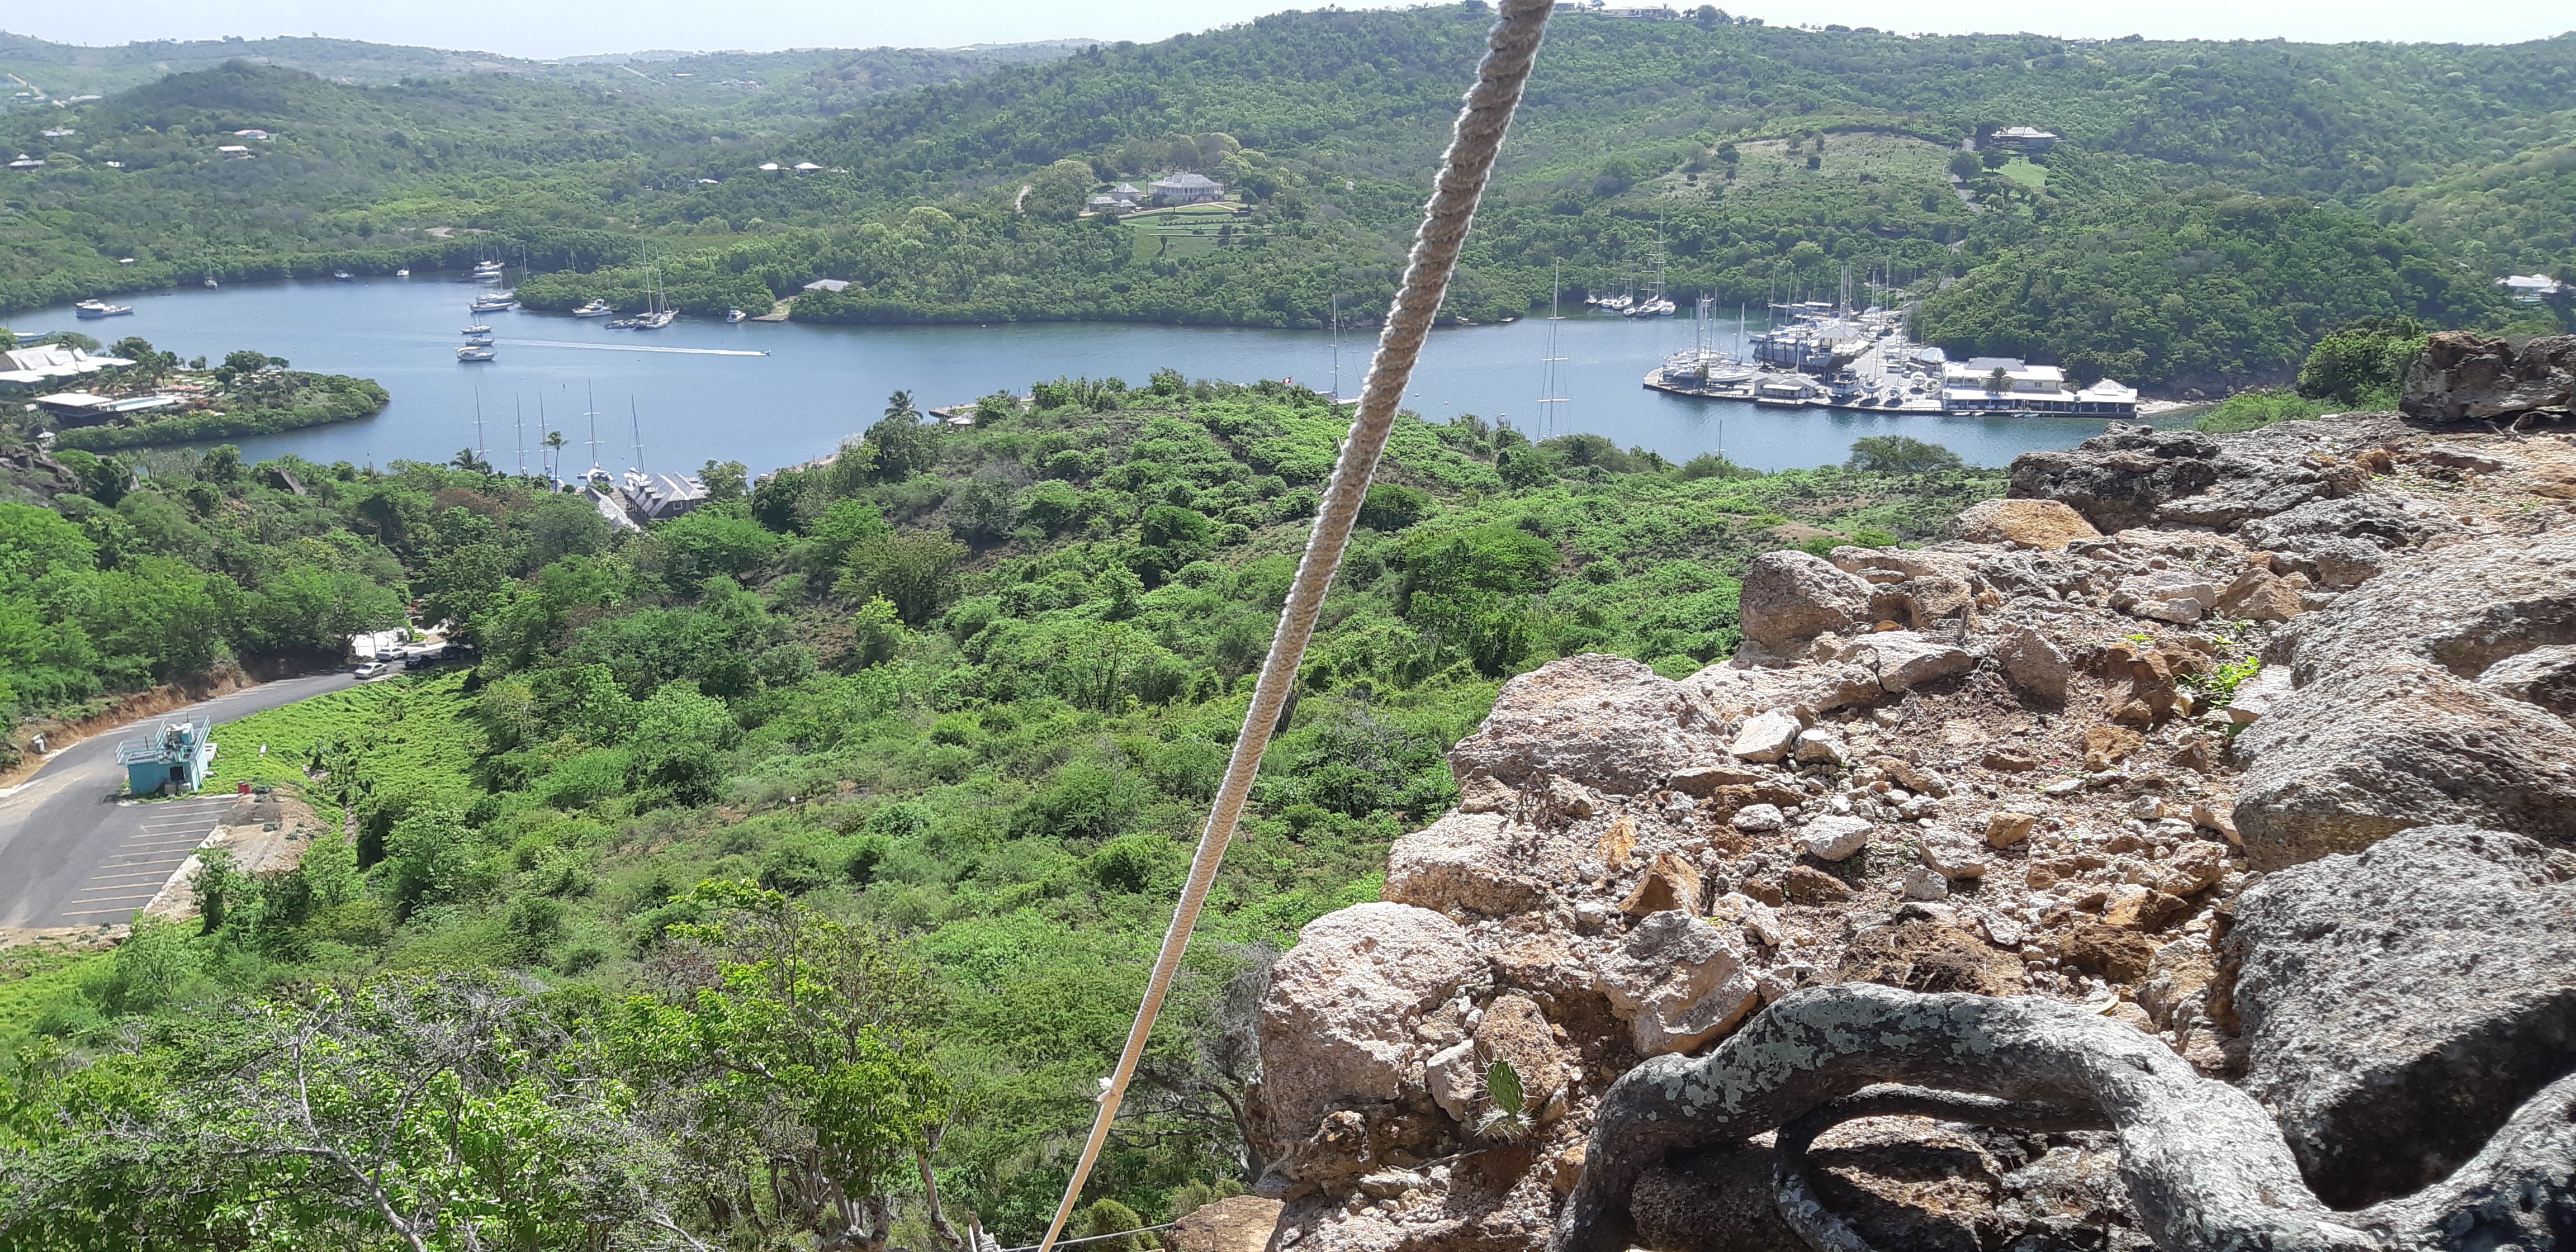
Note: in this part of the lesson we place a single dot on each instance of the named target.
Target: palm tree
(900, 405)
(554, 442)
(1999, 381)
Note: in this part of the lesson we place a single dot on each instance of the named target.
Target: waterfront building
(1995, 384)
(45, 362)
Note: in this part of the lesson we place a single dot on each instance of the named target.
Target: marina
(709, 393)
(1830, 356)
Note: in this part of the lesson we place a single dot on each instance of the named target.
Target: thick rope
(1509, 49)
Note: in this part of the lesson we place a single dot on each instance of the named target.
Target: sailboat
(1551, 383)
(1654, 305)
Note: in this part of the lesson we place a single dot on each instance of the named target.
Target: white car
(377, 669)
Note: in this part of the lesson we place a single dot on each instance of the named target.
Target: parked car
(378, 669)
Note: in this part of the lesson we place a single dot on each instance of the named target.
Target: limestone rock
(1768, 737)
(2166, 596)
(1758, 919)
(2036, 664)
(2178, 976)
(1677, 981)
(2026, 523)
(2381, 518)
(1463, 863)
(2003, 830)
(2399, 1003)
(1337, 1024)
(1903, 660)
(1809, 885)
(1790, 597)
(1235, 1224)
(1454, 1080)
(1833, 838)
(1950, 854)
(1818, 746)
(1922, 883)
(2542, 676)
(2106, 746)
(1758, 817)
(2463, 375)
(1668, 883)
(2106, 951)
(1704, 780)
(1603, 721)
(2260, 595)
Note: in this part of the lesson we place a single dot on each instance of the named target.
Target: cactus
(1507, 1118)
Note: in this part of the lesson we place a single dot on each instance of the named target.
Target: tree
(680, 738)
(1998, 381)
(789, 1056)
(248, 361)
(2363, 364)
(1900, 454)
(723, 480)
(915, 572)
(898, 445)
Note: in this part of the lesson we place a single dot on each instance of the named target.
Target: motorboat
(1657, 307)
(492, 303)
(341, 276)
(474, 352)
(472, 331)
(596, 308)
(478, 341)
(210, 281)
(735, 315)
(101, 308)
(402, 273)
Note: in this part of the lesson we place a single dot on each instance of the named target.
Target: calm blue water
(821, 383)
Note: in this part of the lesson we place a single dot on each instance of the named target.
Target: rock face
(1338, 1023)
(2022, 523)
(2400, 1004)
(1789, 598)
(2462, 376)
(1602, 721)
(2000, 764)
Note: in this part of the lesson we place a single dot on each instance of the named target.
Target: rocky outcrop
(2046, 763)
(2400, 1004)
(2462, 375)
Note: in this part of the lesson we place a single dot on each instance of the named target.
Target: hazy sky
(548, 28)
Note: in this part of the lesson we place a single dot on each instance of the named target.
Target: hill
(1744, 161)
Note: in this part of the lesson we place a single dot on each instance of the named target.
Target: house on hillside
(1122, 198)
(2025, 138)
(644, 499)
(1187, 187)
(2531, 288)
(828, 284)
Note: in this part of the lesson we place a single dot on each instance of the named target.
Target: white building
(46, 362)
(2531, 288)
(1187, 188)
(1971, 386)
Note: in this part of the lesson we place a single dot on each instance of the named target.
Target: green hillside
(1751, 161)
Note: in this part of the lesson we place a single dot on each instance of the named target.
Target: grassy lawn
(2025, 173)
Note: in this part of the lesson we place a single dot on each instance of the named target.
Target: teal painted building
(175, 757)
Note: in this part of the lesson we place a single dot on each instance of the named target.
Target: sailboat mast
(519, 421)
(478, 423)
(1337, 345)
(590, 409)
(1550, 383)
(635, 426)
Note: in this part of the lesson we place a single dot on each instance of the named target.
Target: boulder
(1756, 817)
(1818, 746)
(2260, 595)
(1805, 884)
(2240, 497)
(2166, 596)
(1240, 1223)
(2399, 1003)
(1337, 1024)
(2048, 524)
(1454, 1080)
(2542, 676)
(1602, 721)
(1758, 919)
(1767, 737)
(2466, 376)
(1789, 598)
(1704, 780)
(1677, 982)
(1834, 838)
(1922, 883)
(2119, 478)
(2383, 518)
(2353, 758)
(1668, 883)
(1951, 854)
(2036, 664)
(1514, 1029)
(1463, 863)
(1902, 660)
(2003, 830)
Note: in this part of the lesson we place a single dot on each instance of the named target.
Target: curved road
(73, 852)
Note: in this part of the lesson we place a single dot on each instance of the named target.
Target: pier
(1829, 358)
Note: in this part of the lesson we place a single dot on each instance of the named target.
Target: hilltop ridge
(2248, 744)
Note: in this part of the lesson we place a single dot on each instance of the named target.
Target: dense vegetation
(926, 728)
(2213, 207)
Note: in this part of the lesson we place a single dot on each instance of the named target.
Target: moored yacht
(735, 315)
(101, 308)
(475, 352)
(596, 308)
(342, 276)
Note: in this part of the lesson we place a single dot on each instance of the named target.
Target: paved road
(73, 853)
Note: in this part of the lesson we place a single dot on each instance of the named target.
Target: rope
(1509, 50)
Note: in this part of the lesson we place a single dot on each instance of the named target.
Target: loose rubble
(2117, 743)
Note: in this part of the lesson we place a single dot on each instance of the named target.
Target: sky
(553, 28)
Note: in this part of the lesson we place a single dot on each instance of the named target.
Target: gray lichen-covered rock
(2352, 759)
(1902, 660)
(2398, 1005)
(2379, 517)
(2463, 375)
(2542, 676)
(1603, 721)
(1338, 1022)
